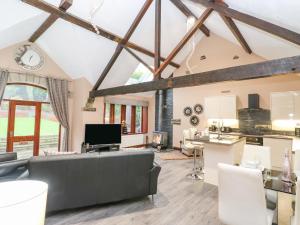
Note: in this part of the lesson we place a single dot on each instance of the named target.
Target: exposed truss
(245, 72)
(42, 5)
(285, 65)
(64, 6)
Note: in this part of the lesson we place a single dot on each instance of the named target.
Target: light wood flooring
(179, 202)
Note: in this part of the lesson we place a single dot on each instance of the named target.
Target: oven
(255, 140)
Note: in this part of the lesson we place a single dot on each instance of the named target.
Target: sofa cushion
(8, 156)
(8, 167)
(124, 175)
(72, 179)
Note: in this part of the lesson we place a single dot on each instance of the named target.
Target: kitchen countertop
(224, 141)
(277, 136)
(296, 140)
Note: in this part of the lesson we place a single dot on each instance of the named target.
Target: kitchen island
(227, 150)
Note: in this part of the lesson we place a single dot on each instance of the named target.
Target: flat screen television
(96, 134)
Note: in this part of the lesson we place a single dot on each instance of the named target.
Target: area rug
(173, 155)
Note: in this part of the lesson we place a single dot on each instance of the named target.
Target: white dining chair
(253, 153)
(262, 154)
(242, 197)
(296, 218)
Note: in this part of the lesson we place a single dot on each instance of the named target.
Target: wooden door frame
(11, 125)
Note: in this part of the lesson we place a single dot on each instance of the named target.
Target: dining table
(273, 181)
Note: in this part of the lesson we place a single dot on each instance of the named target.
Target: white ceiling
(81, 53)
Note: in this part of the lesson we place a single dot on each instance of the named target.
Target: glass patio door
(23, 133)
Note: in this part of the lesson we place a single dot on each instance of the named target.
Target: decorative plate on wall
(194, 120)
(187, 111)
(198, 108)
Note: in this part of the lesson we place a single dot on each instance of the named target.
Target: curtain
(58, 95)
(3, 81)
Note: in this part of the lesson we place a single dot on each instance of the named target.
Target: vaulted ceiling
(81, 53)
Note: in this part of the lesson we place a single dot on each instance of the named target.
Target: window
(138, 119)
(117, 119)
(28, 99)
(134, 116)
(107, 113)
(128, 118)
(140, 75)
(3, 125)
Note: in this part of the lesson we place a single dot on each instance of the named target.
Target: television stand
(100, 148)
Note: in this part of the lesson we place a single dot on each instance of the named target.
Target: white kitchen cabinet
(278, 147)
(228, 107)
(297, 105)
(285, 105)
(212, 108)
(220, 107)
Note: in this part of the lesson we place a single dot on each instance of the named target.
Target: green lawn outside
(25, 126)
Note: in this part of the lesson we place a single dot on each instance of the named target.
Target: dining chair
(296, 218)
(262, 154)
(242, 197)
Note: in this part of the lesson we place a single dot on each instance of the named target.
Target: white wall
(219, 54)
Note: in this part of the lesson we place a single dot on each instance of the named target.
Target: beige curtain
(58, 95)
(3, 82)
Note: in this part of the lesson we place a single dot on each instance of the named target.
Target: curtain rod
(31, 74)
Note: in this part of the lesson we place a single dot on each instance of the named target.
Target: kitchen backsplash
(254, 121)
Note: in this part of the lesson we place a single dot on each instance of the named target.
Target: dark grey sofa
(11, 168)
(89, 179)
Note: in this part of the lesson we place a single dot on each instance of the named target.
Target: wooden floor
(179, 202)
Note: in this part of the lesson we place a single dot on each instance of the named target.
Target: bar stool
(198, 166)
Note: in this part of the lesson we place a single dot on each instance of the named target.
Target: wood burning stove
(160, 139)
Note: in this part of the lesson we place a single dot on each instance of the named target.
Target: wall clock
(198, 108)
(187, 111)
(29, 57)
(194, 120)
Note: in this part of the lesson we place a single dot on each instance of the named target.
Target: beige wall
(50, 68)
(219, 54)
(80, 117)
(79, 93)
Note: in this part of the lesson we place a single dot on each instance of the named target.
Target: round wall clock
(194, 120)
(187, 111)
(198, 108)
(29, 57)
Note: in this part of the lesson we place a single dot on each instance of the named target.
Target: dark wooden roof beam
(123, 42)
(252, 21)
(236, 32)
(245, 72)
(185, 39)
(42, 5)
(187, 12)
(139, 59)
(157, 38)
(64, 6)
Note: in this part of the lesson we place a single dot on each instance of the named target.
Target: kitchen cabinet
(220, 107)
(297, 105)
(212, 107)
(285, 105)
(278, 147)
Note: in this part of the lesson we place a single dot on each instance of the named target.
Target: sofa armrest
(9, 167)
(154, 172)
